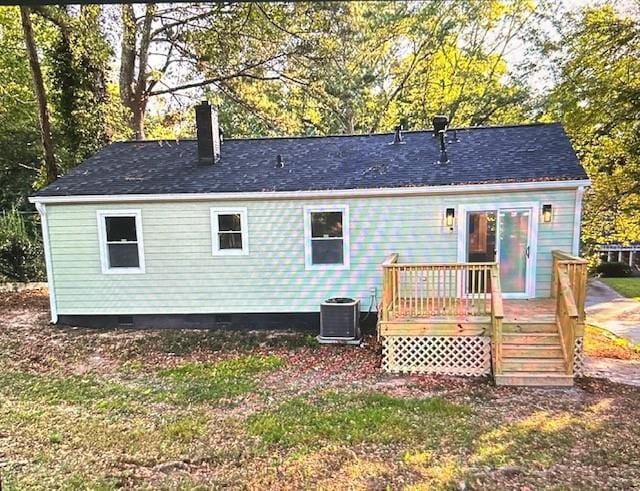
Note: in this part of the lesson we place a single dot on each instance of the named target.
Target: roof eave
(318, 194)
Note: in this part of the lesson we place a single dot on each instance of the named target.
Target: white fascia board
(321, 194)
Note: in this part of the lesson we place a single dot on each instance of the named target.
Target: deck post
(497, 314)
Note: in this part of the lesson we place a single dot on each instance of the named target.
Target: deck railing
(569, 287)
(576, 269)
(433, 290)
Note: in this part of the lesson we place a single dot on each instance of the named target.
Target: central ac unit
(340, 321)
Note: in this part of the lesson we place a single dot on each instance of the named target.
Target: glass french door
(503, 235)
(514, 250)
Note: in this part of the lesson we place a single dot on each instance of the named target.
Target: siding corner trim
(42, 210)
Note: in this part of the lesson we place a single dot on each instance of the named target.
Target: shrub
(614, 270)
(21, 256)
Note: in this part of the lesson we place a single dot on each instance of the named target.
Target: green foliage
(598, 100)
(367, 418)
(85, 114)
(21, 254)
(614, 270)
(19, 138)
(364, 67)
(78, 61)
(13, 224)
(198, 382)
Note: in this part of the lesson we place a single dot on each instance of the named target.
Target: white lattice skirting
(449, 355)
(578, 357)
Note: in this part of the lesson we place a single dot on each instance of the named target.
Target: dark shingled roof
(526, 153)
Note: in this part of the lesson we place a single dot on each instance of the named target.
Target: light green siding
(182, 275)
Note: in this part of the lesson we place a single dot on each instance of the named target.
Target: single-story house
(257, 232)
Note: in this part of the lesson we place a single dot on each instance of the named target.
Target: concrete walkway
(618, 371)
(607, 308)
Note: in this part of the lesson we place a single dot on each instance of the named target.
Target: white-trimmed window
(230, 232)
(120, 235)
(326, 230)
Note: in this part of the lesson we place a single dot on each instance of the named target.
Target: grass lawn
(629, 287)
(102, 410)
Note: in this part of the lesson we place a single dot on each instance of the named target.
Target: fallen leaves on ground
(600, 343)
(107, 409)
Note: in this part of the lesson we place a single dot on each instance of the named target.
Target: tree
(598, 99)
(19, 135)
(51, 170)
(366, 67)
(77, 59)
(177, 63)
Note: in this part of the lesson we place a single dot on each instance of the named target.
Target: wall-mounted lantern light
(450, 217)
(547, 213)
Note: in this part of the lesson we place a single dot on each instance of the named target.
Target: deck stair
(532, 356)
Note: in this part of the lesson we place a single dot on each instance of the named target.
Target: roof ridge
(338, 135)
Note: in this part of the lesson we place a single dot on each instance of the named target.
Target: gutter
(320, 194)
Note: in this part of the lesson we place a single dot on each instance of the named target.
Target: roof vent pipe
(444, 158)
(279, 161)
(398, 139)
(208, 133)
(440, 124)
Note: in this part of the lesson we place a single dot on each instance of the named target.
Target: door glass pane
(514, 239)
(481, 237)
(481, 246)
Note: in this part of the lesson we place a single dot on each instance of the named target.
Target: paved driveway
(607, 308)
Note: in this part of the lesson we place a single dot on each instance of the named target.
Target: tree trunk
(128, 61)
(134, 93)
(140, 93)
(51, 167)
(139, 108)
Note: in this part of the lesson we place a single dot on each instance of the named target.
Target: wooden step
(534, 379)
(529, 327)
(533, 365)
(530, 338)
(531, 351)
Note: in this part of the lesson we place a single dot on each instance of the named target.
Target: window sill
(231, 252)
(323, 267)
(123, 271)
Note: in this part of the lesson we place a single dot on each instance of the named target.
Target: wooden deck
(527, 310)
(451, 318)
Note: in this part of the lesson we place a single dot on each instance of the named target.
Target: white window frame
(102, 237)
(308, 255)
(244, 231)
